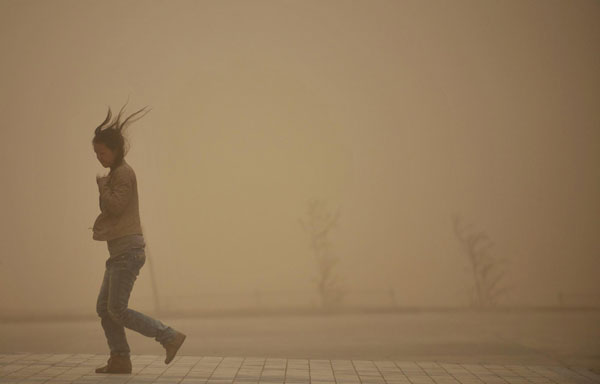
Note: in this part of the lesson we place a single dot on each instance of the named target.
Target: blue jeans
(122, 269)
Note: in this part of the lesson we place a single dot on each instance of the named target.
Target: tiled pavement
(79, 368)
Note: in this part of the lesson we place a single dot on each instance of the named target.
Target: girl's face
(105, 156)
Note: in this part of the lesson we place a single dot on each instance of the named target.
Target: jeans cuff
(166, 336)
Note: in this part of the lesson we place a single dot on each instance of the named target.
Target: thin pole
(153, 281)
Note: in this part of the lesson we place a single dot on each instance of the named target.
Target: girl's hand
(99, 175)
(101, 180)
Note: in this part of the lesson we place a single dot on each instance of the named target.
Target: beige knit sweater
(119, 208)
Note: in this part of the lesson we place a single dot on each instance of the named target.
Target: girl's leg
(115, 332)
(123, 274)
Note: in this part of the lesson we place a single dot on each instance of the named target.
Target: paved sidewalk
(79, 368)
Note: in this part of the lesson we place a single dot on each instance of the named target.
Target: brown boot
(173, 346)
(116, 364)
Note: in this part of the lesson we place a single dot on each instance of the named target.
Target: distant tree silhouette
(318, 225)
(488, 271)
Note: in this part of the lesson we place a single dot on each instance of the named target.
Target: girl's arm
(115, 195)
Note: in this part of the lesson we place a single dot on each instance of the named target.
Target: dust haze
(400, 115)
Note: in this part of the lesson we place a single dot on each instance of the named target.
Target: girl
(119, 225)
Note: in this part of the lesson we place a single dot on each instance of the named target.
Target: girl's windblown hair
(110, 132)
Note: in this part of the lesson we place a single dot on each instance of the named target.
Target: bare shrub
(318, 225)
(488, 271)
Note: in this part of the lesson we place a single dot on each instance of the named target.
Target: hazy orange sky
(400, 113)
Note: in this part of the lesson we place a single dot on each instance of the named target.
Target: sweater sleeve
(115, 195)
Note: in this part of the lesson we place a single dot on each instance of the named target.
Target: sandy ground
(568, 338)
